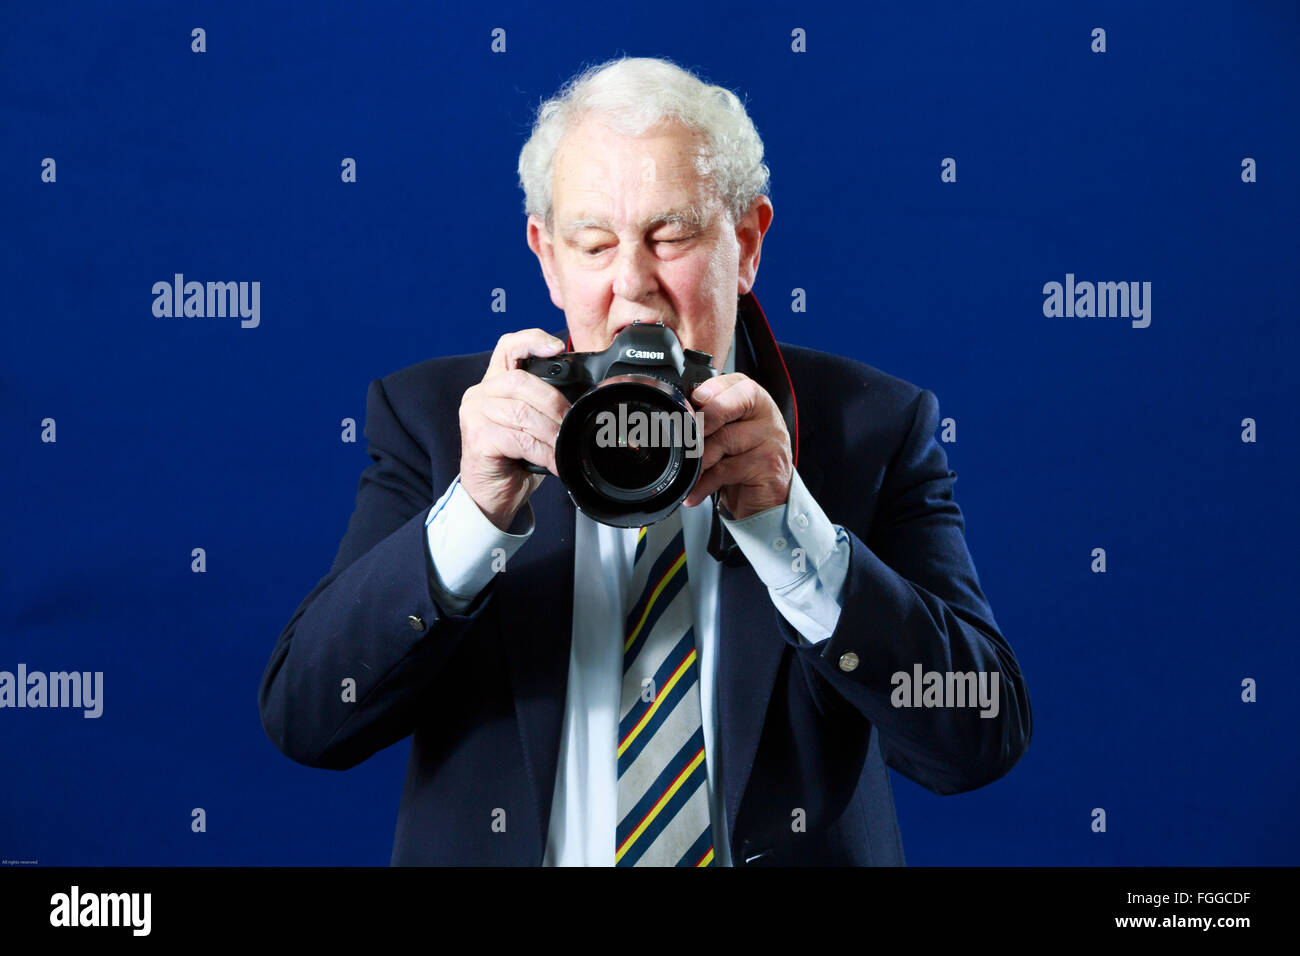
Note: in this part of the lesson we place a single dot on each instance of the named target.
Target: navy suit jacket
(482, 693)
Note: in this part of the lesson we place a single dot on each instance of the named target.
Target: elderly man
(724, 687)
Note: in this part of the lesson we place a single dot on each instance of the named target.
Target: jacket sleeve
(912, 599)
(371, 620)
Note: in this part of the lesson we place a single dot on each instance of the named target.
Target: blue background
(1072, 433)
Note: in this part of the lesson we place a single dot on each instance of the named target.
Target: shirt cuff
(467, 549)
(786, 543)
(802, 558)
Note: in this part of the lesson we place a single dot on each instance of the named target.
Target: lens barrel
(628, 450)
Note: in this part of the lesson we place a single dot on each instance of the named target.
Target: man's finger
(727, 399)
(728, 471)
(519, 415)
(517, 445)
(524, 386)
(734, 438)
(514, 346)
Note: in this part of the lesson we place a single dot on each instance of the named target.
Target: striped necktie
(663, 796)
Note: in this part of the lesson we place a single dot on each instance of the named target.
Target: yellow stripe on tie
(663, 583)
(659, 698)
(708, 858)
(659, 805)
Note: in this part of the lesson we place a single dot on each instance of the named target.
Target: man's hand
(510, 415)
(746, 446)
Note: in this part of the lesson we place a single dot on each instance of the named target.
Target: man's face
(627, 247)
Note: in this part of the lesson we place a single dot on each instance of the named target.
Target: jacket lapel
(535, 605)
(749, 652)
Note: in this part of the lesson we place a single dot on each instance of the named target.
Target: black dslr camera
(629, 446)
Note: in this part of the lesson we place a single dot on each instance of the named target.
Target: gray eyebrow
(689, 216)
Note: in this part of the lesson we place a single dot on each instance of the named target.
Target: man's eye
(597, 250)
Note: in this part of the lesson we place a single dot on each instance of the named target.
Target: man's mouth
(619, 327)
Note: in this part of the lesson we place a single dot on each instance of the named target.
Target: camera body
(628, 450)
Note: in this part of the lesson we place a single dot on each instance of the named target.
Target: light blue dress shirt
(793, 548)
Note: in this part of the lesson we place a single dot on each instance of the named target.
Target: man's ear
(749, 234)
(539, 240)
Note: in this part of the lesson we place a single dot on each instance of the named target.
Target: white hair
(632, 94)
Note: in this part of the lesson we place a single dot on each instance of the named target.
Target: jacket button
(848, 662)
(417, 623)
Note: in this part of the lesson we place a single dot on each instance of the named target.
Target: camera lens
(628, 451)
(634, 458)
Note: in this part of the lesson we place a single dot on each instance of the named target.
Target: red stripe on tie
(685, 770)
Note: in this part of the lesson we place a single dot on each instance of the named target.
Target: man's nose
(634, 272)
